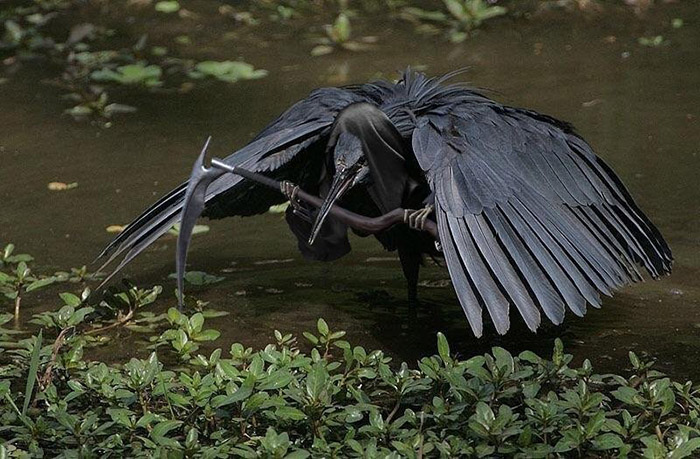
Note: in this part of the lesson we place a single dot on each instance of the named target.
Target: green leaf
(242, 393)
(40, 283)
(341, 29)
(70, 299)
(627, 395)
(202, 278)
(443, 347)
(321, 50)
(685, 449)
(196, 322)
(207, 335)
(228, 71)
(79, 316)
(607, 441)
(32, 373)
(132, 74)
(322, 327)
(160, 430)
(504, 360)
(167, 6)
(290, 413)
(276, 380)
(310, 337)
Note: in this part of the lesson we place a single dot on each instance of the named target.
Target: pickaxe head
(192, 207)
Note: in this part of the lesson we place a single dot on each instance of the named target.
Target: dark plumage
(528, 215)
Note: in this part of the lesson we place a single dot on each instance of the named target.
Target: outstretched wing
(528, 215)
(281, 149)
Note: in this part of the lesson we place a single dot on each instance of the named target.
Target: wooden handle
(353, 220)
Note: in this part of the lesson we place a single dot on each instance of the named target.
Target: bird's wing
(528, 215)
(276, 150)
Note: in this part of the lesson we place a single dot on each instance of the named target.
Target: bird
(529, 218)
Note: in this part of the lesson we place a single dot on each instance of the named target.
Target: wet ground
(638, 106)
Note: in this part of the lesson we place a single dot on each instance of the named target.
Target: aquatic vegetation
(199, 278)
(338, 36)
(8, 256)
(652, 42)
(227, 71)
(462, 16)
(20, 280)
(132, 74)
(94, 103)
(185, 334)
(17, 278)
(167, 6)
(324, 397)
(22, 32)
(55, 30)
(336, 400)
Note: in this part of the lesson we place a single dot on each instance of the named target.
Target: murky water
(638, 106)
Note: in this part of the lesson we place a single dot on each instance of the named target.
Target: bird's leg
(290, 191)
(410, 263)
(415, 219)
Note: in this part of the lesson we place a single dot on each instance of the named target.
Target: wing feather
(534, 214)
(534, 277)
(556, 271)
(462, 283)
(502, 269)
(291, 134)
(473, 264)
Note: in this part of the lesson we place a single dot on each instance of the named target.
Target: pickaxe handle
(353, 220)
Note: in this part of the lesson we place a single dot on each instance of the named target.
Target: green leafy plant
(185, 333)
(338, 400)
(652, 42)
(94, 104)
(227, 71)
(21, 280)
(8, 256)
(199, 278)
(132, 74)
(338, 36)
(461, 16)
(167, 6)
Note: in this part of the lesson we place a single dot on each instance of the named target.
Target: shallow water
(637, 106)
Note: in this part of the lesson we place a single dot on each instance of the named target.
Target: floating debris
(198, 229)
(273, 261)
(592, 103)
(279, 208)
(60, 186)
(438, 283)
(380, 259)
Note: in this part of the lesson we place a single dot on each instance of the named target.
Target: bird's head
(350, 167)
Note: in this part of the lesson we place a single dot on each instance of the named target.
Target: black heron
(522, 210)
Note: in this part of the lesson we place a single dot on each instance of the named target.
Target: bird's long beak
(192, 208)
(342, 181)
